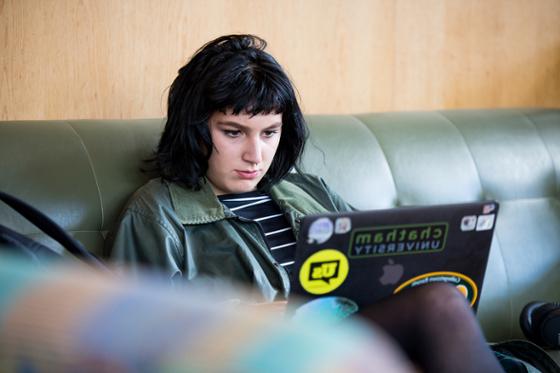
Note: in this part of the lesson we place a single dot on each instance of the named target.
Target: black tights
(436, 328)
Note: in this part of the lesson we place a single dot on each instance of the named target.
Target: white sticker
(468, 223)
(320, 231)
(342, 225)
(485, 222)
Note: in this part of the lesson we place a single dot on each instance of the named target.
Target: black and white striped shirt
(260, 208)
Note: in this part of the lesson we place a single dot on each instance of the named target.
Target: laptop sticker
(398, 239)
(485, 222)
(468, 223)
(320, 231)
(323, 271)
(463, 283)
(486, 209)
(342, 225)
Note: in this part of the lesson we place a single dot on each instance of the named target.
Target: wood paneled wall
(62, 59)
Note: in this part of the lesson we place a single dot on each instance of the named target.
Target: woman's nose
(252, 152)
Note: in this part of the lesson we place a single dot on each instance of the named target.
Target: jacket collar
(202, 206)
(197, 206)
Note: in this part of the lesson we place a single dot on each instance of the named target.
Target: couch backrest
(77, 172)
(82, 172)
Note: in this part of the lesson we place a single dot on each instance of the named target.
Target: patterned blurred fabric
(66, 318)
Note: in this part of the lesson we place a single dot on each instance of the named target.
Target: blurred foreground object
(66, 318)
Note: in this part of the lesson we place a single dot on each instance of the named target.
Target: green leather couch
(81, 173)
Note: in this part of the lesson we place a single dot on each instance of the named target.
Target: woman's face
(244, 147)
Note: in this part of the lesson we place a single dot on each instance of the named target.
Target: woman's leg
(436, 328)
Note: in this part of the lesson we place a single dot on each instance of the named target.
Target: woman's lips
(248, 175)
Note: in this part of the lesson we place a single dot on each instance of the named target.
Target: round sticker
(323, 271)
(463, 283)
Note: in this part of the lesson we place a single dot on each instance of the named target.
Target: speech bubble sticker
(320, 231)
(324, 271)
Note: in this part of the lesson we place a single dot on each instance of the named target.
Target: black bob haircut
(231, 72)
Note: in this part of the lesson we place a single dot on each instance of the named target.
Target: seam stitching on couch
(473, 159)
(93, 173)
(508, 283)
(382, 150)
(528, 118)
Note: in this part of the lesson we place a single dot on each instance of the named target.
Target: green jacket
(190, 234)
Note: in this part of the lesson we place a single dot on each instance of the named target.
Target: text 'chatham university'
(406, 239)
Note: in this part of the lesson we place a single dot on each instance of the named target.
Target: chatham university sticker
(398, 239)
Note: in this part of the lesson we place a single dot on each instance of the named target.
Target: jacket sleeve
(143, 241)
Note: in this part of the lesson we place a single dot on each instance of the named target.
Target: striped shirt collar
(202, 206)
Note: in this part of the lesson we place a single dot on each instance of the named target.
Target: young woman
(227, 204)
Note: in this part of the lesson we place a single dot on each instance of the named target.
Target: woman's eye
(232, 133)
(270, 133)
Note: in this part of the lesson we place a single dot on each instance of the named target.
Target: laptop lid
(368, 255)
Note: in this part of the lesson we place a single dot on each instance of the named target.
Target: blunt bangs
(250, 88)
